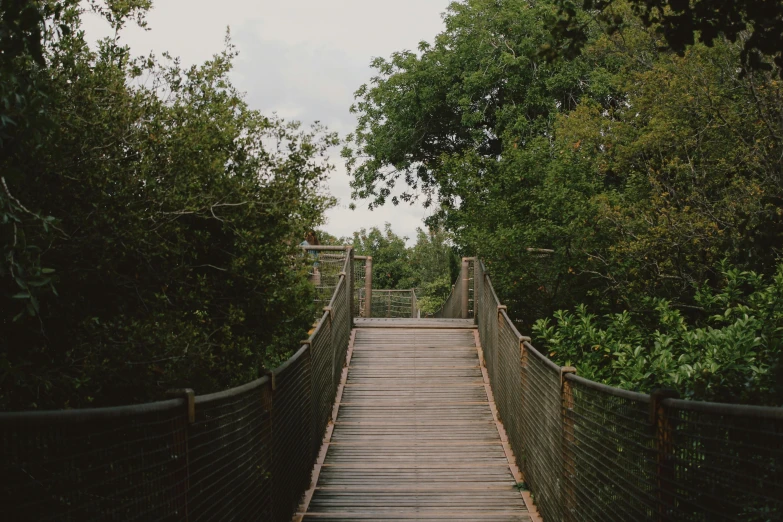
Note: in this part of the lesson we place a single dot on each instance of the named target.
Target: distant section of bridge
(381, 418)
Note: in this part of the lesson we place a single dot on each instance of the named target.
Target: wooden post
(567, 491)
(181, 440)
(368, 287)
(478, 290)
(464, 289)
(664, 438)
(351, 289)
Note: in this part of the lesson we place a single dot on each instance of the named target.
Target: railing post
(190, 411)
(664, 438)
(351, 282)
(464, 288)
(368, 287)
(478, 290)
(567, 493)
(496, 341)
(413, 304)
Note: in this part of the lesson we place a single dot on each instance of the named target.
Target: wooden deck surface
(415, 437)
(394, 322)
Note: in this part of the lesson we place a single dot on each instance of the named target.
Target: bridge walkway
(415, 436)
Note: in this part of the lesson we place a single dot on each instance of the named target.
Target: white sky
(303, 59)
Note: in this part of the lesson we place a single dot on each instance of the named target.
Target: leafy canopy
(150, 222)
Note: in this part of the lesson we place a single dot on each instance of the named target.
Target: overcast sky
(303, 59)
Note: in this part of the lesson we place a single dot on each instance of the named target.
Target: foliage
(429, 266)
(640, 168)
(757, 24)
(437, 267)
(177, 215)
(730, 352)
(391, 267)
(433, 295)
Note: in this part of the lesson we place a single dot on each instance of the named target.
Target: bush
(727, 348)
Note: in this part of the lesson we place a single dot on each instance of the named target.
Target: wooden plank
(415, 437)
(386, 323)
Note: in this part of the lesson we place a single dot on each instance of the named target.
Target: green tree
(178, 211)
(757, 24)
(731, 352)
(618, 175)
(390, 257)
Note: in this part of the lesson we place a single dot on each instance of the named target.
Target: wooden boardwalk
(416, 436)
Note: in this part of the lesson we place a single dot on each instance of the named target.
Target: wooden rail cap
(190, 401)
(563, 371)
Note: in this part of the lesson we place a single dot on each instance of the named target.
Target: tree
(757, 24)
(636, 169)
(390, 257)
(178, 212)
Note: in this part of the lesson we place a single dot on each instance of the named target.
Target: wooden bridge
(416, 434)
(451, 418)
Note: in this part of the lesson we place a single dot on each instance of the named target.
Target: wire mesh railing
(460, 302)
(242, 454)
(591, 452)
(394, 303)
(326, 263)
(360, 266)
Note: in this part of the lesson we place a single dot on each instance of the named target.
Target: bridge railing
(592, 452)
(460, 302)
(242, 454)
(394, 303)
(362, 282)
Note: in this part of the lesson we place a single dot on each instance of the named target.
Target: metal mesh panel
(105, 464)
(229, 451)
(452, 308)
(325, 274)
(341, 331)
(358, 276)
(726, 462)
(610, 453)
(292, 434)
(590, 452)
(471, 289)
(484, 315)
(393, 303)
(247, 455)
(323, 388)
(542, 431)
(508, 379)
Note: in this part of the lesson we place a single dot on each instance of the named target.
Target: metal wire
(394, 303)
(590, 452)
(126, 464)
(325, 272)
(229, 455)
(247, 454)
(726, 463)
(451, 307)
(358, 276)
(612, 447)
